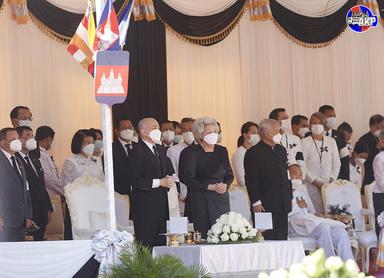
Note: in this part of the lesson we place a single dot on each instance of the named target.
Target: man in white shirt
(328, 233)
(44, 137)
(174, 155)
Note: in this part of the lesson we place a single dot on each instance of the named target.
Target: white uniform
(238, 165)
(322, 164)
(174, 155)
(292, 144)
(329, 234)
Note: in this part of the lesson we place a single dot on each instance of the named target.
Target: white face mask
(31, 144)
(188, 137)
(254, 139)
(135, 139)
(155, 135)
(126, 134)
(377, 133)
(331, 122)
(25, 123)
(99, 145)
(286, 125)
(277, 138)
(178, 139)
(89, 149)
(360, 161)
(302, 131)
(211, 138)
(168, 135)
(317, 129)
(16, 145)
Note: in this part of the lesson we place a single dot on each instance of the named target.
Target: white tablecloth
(231, 258)
(45, 259)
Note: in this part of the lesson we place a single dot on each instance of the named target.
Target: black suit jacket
(149, 204)
(15, 202)
(371, 141)
(121, 170)
(266, 177)
(41, 203)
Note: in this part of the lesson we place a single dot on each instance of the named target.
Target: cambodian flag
(124, 18)
(107, 31)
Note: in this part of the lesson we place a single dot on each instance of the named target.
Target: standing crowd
(282, 162)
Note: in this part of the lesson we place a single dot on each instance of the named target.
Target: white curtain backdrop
(199, 7)
(38, 72)
(252, 71)
(257, 69)
(313, 8)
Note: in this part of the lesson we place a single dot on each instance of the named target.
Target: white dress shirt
(51, 173)
(155, 182)
(238, 165)
(378, 170)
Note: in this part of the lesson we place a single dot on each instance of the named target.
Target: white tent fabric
(313, 8)
(73, 6)
(45, 259)
(200, 7)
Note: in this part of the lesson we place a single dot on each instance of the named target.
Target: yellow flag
(91, 25)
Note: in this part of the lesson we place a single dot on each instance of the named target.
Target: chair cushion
(367, 239)
(309, 243)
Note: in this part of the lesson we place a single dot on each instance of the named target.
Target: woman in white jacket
(322, 160)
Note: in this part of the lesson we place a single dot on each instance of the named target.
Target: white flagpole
(106, 120)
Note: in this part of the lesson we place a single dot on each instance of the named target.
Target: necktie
(157, 156)
(29, 165)
(129, 149)
(14, 165)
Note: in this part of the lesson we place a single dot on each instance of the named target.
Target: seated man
(329, 234)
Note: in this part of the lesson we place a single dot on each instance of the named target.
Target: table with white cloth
(228, 259)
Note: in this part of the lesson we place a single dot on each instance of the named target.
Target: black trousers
(148, 234)
(67, 225)
(378, 204)
(280, 227)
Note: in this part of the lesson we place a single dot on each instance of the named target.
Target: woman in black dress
(204, 167)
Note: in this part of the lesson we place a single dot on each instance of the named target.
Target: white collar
(23, 155)
(43, 150)
(123, 143)
(150, 145)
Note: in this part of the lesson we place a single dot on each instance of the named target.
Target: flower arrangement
(232, 227)
(317, 266)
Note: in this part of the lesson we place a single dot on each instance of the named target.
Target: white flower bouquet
(317, 266)
(231, 227)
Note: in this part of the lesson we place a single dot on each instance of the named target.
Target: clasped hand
(167, 182)
(220, 188)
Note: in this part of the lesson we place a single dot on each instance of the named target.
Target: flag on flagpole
(124, 18)
(80, 46)
(107, 31)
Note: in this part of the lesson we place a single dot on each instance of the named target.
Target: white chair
(122, 207)
(342, 192)
(239, 201)
(367, 243)
(87, 204)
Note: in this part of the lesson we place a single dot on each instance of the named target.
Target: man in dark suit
(151, 179)
(376, 124)
(266, 178)
(122, 154)
(41, 203)
(15, 203)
